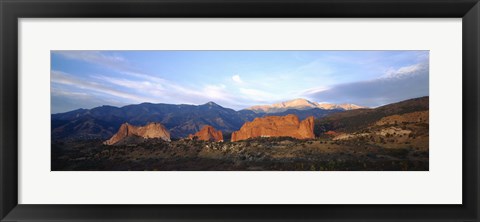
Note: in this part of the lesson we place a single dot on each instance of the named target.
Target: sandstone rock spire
(208, 133)
(149, 131)
(276, 126)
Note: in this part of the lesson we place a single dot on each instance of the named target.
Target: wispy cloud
(365, 78)
(132, 84)
(142, 87)
(406, 71)
(159, 90)
(396, 85)
(313, 90)
(64, 99)
(68, 79)
(96, 57)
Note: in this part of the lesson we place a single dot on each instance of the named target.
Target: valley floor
(261, 154)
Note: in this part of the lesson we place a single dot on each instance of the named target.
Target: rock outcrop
(208, 133)
(149, 131)
(276, 126)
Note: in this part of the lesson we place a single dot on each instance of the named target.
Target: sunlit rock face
(149, 131)
(207, 133)
(276, 126)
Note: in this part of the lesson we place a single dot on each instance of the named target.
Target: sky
(235, 79)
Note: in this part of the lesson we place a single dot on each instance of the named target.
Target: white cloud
(237, 79)
(156, 89)
(109, 60)
(67, 79)
(396, 85)
(313, 90)
(406, 71)
(139, 84)
(64, 100)
(59, 92)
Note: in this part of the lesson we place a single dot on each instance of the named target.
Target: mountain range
(181, 120)
(301, 104)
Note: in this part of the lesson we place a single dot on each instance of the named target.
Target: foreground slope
(403, 125)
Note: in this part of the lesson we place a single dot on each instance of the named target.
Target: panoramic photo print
(239, 110)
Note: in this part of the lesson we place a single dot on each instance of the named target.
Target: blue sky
(235, 79)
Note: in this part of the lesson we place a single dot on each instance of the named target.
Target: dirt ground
(261, 154)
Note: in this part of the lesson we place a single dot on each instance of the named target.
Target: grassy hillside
(354, 120)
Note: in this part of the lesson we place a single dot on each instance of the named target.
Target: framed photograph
(206, 118)
(227, 110)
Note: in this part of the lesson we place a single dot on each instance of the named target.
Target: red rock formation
(149, 131)
(276, 126)
(208, 133)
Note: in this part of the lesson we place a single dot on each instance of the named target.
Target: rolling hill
(354, 120)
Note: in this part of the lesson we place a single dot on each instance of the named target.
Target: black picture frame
(12, 10)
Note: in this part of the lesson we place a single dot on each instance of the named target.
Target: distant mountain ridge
(301, 104)
(180, 120)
